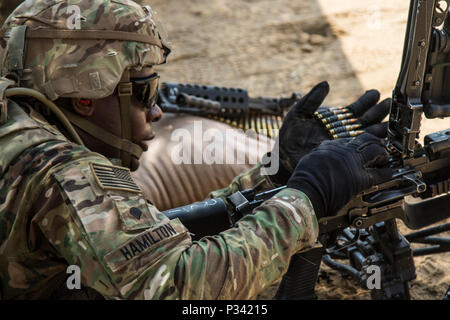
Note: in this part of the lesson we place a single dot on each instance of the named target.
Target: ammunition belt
(339, 122)
(259, 122)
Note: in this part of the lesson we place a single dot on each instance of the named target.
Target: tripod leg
(300, 280)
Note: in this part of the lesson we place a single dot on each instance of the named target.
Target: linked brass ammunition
(280, 122)
(330, 112)
(337, 117)
(348, 134)
(254, 124)
(345, 128)
(341, 123)
(269, 126)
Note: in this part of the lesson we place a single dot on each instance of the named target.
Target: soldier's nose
(154, 114)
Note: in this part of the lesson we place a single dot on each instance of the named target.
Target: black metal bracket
(436, 244)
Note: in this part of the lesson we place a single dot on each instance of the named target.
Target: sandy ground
(274, 48)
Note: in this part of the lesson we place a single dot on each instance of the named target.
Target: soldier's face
(106, 114)
(142, 118)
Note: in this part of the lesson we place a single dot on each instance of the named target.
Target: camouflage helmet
(80, 48)
(83, 49)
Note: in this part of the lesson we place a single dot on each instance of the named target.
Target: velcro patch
(114, 178)
(148, 246)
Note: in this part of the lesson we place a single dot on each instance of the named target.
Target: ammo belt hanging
(265, 124)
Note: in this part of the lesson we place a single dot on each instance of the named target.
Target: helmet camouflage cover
(79, 48)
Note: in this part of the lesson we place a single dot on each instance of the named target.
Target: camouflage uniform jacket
(61, 205)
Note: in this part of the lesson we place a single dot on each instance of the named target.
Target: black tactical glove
(301, 132)
(338, 170)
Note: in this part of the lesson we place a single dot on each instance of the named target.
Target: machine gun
(229, 105)
(422, 172)
(365, 230)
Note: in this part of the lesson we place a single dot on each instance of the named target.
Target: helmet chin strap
(123, 143)
(125, 91)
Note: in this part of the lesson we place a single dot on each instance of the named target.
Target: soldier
(77, 103)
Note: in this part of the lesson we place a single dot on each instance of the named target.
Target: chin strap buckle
(4, 84)
(125, 89)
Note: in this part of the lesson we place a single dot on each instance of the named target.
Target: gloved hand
(301, 132)
(338, 170)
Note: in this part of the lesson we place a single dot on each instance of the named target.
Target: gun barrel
(439, 146)
(427, 212)
(184, 99)
(437, 111)
(202, 218)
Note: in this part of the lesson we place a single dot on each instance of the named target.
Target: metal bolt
(358, 223)
(438, 20)
(422, 43)
(417, 83)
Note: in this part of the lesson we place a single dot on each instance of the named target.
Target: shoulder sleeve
(127, 249)
(240, 262)
(100, 222)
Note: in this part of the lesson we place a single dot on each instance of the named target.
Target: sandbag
(169, 184)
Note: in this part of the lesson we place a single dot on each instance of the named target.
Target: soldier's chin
(134, 164)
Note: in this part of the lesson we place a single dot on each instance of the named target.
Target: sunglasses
(146, 90)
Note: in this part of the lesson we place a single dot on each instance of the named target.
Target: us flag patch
(114, 178)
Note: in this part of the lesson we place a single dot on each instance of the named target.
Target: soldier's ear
(84, 107)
